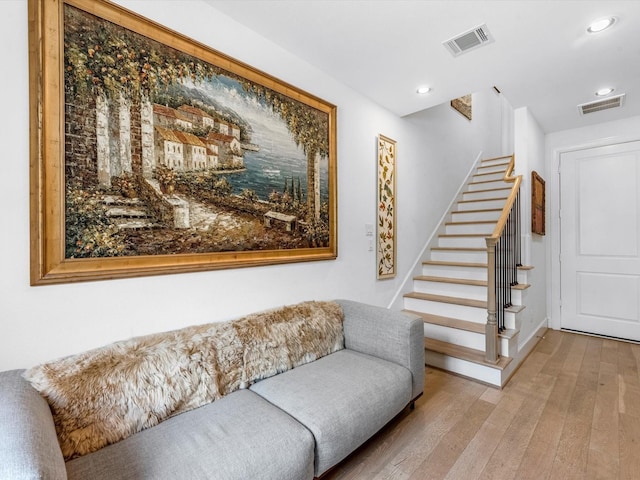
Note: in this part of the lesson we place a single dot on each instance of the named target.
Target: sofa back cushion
(107, 394)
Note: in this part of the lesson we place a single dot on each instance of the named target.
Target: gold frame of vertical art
(386, 221)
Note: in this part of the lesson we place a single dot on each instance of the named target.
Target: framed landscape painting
(152, 153)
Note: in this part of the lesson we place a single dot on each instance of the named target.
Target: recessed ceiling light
(601, 24)
(604, 91)
(423, 90)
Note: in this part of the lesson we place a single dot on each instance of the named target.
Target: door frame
(580, 140)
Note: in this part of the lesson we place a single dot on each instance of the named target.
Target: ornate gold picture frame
(152, 153)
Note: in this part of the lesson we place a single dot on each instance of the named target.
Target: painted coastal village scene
(168, 154)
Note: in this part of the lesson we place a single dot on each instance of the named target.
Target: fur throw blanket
(105, 395)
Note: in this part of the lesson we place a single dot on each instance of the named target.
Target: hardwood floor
(572, 411)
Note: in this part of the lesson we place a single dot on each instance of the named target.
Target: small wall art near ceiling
(152, 153)
(386, 222)
(537, 204)
(463, 105)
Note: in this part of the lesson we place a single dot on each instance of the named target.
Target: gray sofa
(292, 426)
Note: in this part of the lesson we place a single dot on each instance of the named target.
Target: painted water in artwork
(168, 154)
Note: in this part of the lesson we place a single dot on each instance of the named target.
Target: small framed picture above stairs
(451, 292)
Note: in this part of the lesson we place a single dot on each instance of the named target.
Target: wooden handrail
(517, 180)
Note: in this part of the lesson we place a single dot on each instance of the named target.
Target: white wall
(41, 323)
(607, 133)
(529, 142)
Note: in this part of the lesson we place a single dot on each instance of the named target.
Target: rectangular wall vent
(474, 38)
(599, 105)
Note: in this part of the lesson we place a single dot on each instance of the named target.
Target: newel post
(491, 328)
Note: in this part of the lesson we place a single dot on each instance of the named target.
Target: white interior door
(600, 240)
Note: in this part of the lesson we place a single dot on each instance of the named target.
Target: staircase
(128, 213)
(451, 293)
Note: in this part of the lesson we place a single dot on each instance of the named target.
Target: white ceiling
(542, 56)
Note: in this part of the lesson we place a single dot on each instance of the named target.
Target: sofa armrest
(29, 446)
(391, 335)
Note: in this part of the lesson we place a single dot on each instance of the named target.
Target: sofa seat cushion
(238, 437)
(343, 399)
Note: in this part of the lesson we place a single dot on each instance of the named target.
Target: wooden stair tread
(493, 159)
(477, 177)
(488, 190)
(484, 200)
(484, 210)
(494, 165)
(455, 264)
(484, 181)
(515, 308)
(464, 353)
(472, 223)
(520, 286)
(461, 249)
(467, 302)
(449, 322)
(457, 281)
(464, 235)
(508, 333)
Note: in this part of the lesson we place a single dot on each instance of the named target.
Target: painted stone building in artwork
(181, 150)
(195, 151)
(170, 117)
(169, 149)
(227, 128)
(196, 116)
(229, 150)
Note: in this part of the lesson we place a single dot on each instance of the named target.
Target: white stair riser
(462, 242)
(484, 228)
(463, 312)
(517, 296)
(472, 187)
(492, 203)
(508, 347)
(523, 275)
(481, 195)
(482, 176)
(489, 375)
(474, 292)
(504, 161)
(454, 271)
(455, 336)
(481, 216)
(459, 256)
(510, 320)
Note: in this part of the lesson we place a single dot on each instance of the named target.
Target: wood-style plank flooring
(572, 411)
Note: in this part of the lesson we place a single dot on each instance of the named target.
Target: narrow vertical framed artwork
(386, 221)
(537, 204)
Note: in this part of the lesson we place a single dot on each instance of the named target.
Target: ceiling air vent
(466, 41)
(598, 105)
